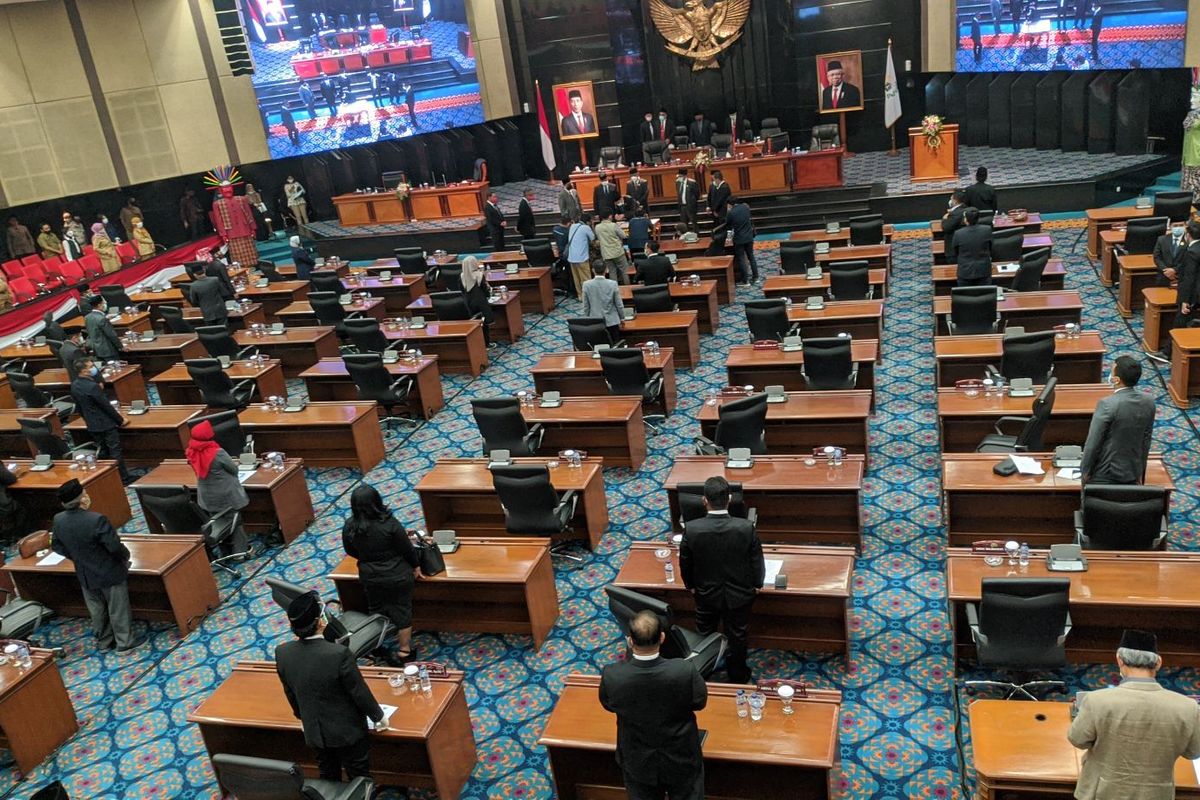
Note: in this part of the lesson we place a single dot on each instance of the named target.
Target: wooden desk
(176, 387)
(682, 249)
(807, 420)
(1157, 592)
(278, 500)
(1108, 262)
(962, 357)
(455, 200)
(780, 485)
(124, 384)
(1134, 273)
(609, 427)
(171, 296)
(497, 258)
(301, 312)
(275, 296)
(247, 314)
(945, 277)
(458, 344)
(701, 298)
(38, 491)
(379, 208)
(146, 439)
(755, 177)
(838, 239)
(964, 421)
(36, 714)
(1185, 366)
(708, 268)
(12, 441)
(877, 256)
(170, 580)
(1102, 219)
(428, 744)
(1031, 241)
(296, 349)
(136, 321)
(397, 293)
(800, 287)
(1160, 305)
(342, 434)
(817, 169)
(1031, 224)
(746, 366)
(166, 349)
(808, 616)
(458, 494)
(535, 287)
(1034, 311)
(36, 357)
(862, 319)
(1022, 753)
(502, 586)
(1038, 509)
(7, 398)
(786, 757)
(329, 379)
(579, 375)
(677, 330)
(508, 324)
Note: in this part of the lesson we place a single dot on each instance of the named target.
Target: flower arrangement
(402, 190)
(703, 158)
(931, 129)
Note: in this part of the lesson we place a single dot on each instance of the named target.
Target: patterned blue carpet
(898, 736)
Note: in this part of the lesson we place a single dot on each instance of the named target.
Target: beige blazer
(1133, 734)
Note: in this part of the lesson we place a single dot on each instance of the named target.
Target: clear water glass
(396, 681)
(786, 692)
(758, 701)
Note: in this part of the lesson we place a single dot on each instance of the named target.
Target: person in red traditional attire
(232, 216)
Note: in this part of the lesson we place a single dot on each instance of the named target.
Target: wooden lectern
(927, 164)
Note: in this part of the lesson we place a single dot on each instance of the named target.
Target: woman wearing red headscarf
(217, 482)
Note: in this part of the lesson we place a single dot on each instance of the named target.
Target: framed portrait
(839, 82)
(575, 109)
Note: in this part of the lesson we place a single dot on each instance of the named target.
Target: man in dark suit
(410, 100)
(996, 14)
(976, 38)
(392, 83)
(604, 197)
(718, 196)
(103, 422)
(637, 189)
(837, 93)
(289, 124)
(496, 223)
(327, 693)
(71, 351)
(656, 700)
(952, 220)
(1189, 278)
(309, 99)
(526, 226)
(101, 335)
(577, 121)
(379, 89)
(700, 131)
(1097, 26)
(721, 561)
(329, 93)
(1169, 251)
(206, 293)
(654, 269)
(741, 226)
(568, 200)
(663, 129)
(973, 251)
(1118, 440)
(687, 192)
(646, 131)
(734, 124)
(101, 565)
(980, 194)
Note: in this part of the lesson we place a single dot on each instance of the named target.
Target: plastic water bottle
(1023, 555)
(743, 705)
(426, 684)
(669, 568)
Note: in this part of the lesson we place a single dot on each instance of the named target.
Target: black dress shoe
(135, 645)
(409, 657)
(393, 659)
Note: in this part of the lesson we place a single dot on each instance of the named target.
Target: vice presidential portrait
(839, 76)
(576, 108)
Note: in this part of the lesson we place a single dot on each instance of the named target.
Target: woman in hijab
(387, 564)
(302, 259)
(105, 248)
(142, 237)
(217, 483)
(476, 292)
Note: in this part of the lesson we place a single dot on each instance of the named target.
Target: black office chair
(21, 619)
(374, 382)
(740, 423)
(850, 280)
(587, 332)
(451, 306)
(216, 387)
(1029, 274)
(1026, 355)
(32, 396)
(227, 432)
(367, 337)
(828, 364)
(359, 632)
(39, 433)
(174, 319)
(451, 276)
(722, 144)
(691, 503)
(116, 297)
(329, 311)
(503, 428)
(531, 505)
(1029, 438)
(705, 652)
(973, 310)
(408, 251)
(218, 341)
(796, 258)
(768, 320)
(680, 139)
(249, 778)
(625, 373)
(610, 157)
(1021, 625)
(986, 217)
(177, 511)
(267, 270)
(326, 280)
(770, 127)
(1175, 206)
(825, 137)
(538, 253)
(1007, 244)
(867, 229)
(654, 152)
(1141, 234)
(648, 299)
(1116, 517)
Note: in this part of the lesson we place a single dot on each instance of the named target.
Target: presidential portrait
(575, 106)
(839, 82)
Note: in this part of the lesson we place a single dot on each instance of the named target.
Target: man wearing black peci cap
(1134, 732)
(327, 693)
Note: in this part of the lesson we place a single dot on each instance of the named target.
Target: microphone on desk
(444, 179)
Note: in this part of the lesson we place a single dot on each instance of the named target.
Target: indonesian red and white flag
(547, 145)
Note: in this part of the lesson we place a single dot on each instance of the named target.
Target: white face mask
(1177, 232)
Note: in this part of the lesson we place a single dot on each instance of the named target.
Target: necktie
(837, 95)
(579, 123)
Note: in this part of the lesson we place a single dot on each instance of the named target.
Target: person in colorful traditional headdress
(1191, 143)
(232, 216)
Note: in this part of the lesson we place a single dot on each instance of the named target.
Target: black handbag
(430, 558)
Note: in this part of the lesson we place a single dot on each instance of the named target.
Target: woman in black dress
(387, 564)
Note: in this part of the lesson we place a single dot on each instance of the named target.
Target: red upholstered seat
(354, 62)
(378, 34)
(37, 274)
(12, 269)
(22, 289)
(127, 252)
(72, 272)
(91, 265)
(306, 68)
(27, 261)
(377, 58)
(53, 268)
(88, 250)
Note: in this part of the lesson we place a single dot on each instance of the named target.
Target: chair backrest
(501, 424)
(116, 296)
(31, 260)
(828, 363)
(850, 280)
(1117, 517)
(767, 319)
(248, 778)
(215, 386)
(127, 252)
(411, 263)
(680, 139)
(39, 433)
(1141, 234)
(691, 501)
(1028, 355)
(648, 299)
(27, 391)
(796, 258)
(825, 137)
(722, 143)
(625, 604)
(451, 275)
(371, 377)
(1029, 274)
(1007, 244)
(176, 322)
(36, 273)
(411, 250)
(610, 156)
(72, 272)
(587, 332)
(654, 152)
(973, 309)
(625, 370)
(91, 265)
(12, 268)
(227, 431)
(1030, 437)
(769, 127)
(217, 340)
(326, 307)
(741, 423)
(325, 280)
(22, 289)
(449, 305)
(528, 498)
(538, 254)
(867, 229)
(174, 507)
(1023, 619)
(987, 217)
(1175, 206)
(366, 335)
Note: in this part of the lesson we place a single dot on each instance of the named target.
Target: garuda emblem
(700, 30)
